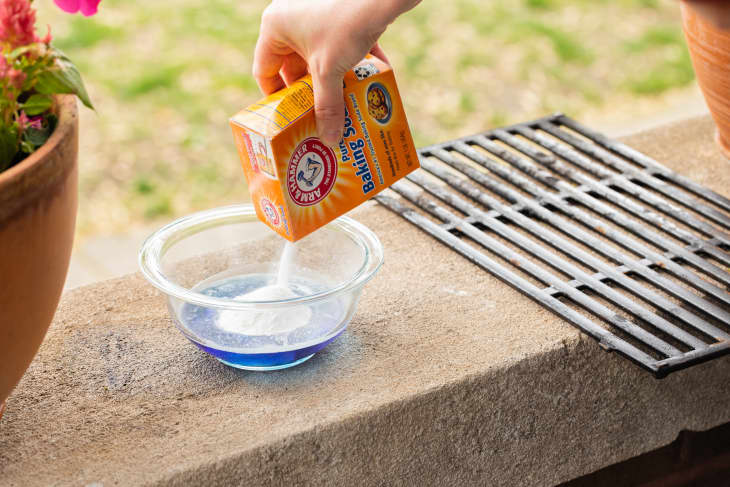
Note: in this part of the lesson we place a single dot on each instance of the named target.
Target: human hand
(326, 38)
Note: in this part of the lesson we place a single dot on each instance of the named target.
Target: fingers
(378, 52)
(293, 68)
(329, 106)
(266, 66)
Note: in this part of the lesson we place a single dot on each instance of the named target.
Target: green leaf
(8, 146)
(27, 147)
(37, 137)
(37, 104)
(19, 51)
(62, 77)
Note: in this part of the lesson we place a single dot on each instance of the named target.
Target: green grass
(655, 37)
(475, 58)
(86, 33)
(541, 4)
(238, 80)
(142, 185)
(220, 20)
(665, 75)
(166, 75)
(668, 64)
(151, 78)
(467, 104)
(567, 46)
(207, 174)
(415, 60)
(158, 206)
(486, 21)
(498, 119)
(652, 4)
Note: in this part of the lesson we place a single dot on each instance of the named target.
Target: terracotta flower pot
(37, 219)
(709, 47)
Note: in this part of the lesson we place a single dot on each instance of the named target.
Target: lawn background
(166, 75)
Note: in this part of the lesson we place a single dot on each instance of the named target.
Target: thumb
(329, 106)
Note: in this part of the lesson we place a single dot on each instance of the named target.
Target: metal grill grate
(636, 256)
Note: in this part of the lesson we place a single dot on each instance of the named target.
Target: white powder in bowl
(265, 322)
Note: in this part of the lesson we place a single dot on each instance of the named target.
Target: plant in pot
(38, 179)
(707, 29)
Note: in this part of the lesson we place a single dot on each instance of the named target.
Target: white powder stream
(286, 262)
(274, 321)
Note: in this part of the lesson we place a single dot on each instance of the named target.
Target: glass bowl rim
(155, 246)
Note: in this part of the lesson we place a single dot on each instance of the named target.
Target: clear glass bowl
(208, 261)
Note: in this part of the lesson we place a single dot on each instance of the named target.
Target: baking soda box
(298, 183)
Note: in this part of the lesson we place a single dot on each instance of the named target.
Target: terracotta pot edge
(29, 172)
(709, 71)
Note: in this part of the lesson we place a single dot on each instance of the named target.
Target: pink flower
(24, 121)
(16, 78)
(87, 7)
(17, 23)
(47, 39)
(36, 122)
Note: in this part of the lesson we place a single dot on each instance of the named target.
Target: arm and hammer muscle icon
(313, 167)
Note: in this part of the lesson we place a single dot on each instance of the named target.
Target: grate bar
(557, 262)
(603, 188)
(622, 182)
(611, 195)
(661, 267)
(593, 203)
(549, 237)
(606, 339)
(630, 173)
(599, 246)
(620, 322)
(582, 216)
(598, 275)
(711, 247)
(695, 356)
(650, 164)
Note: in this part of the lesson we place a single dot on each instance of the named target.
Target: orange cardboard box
(299, 184)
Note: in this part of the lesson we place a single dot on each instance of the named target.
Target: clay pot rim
(27, 180)
(65, 111)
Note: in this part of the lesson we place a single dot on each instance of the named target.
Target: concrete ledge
(445, 377)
